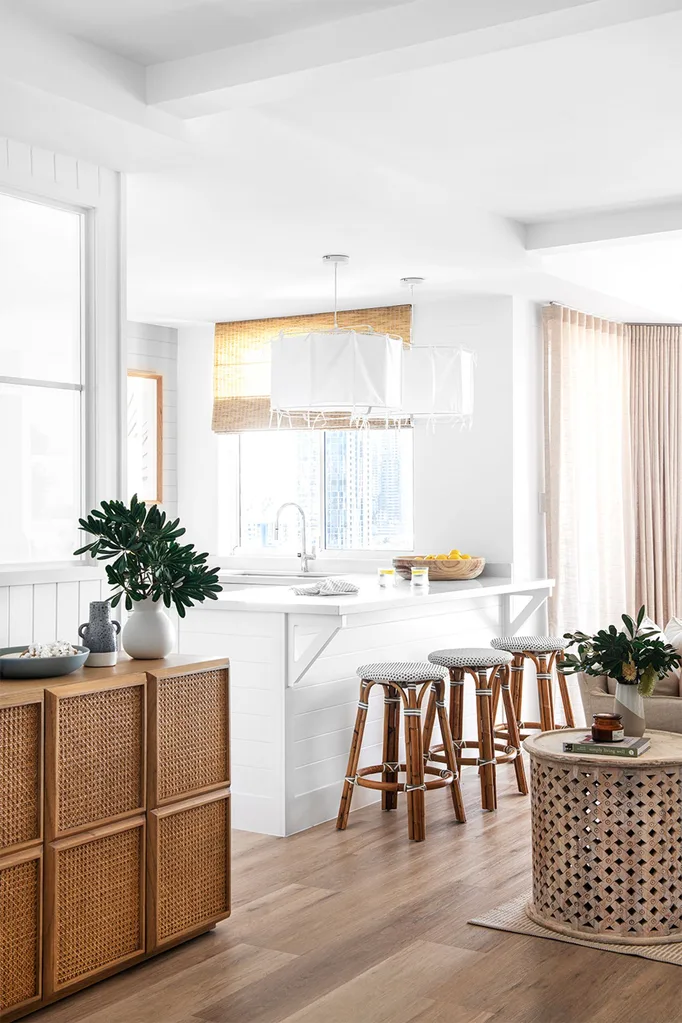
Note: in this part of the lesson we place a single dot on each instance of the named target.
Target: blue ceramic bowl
(39, 667)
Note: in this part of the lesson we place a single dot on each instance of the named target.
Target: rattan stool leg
(545, 697)
(389, 800)
(457, 711)
(438, 697)
(516, 669)
(565, 696)
(414, 763)
(513, 730)
(353, 756)
(486, 760)
(429, 722)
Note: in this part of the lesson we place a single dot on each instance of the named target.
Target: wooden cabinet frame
(23, 700)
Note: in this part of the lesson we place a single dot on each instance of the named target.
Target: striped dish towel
(325, 588)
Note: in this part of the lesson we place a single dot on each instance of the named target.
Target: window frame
(328, 553)
(86, 350)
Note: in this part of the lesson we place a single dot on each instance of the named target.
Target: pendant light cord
(336, 274)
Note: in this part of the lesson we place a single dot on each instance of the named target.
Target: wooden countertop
(126, 666)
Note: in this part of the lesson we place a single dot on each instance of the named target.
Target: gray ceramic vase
(99, 635)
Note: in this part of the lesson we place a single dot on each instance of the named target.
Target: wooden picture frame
(145, 435)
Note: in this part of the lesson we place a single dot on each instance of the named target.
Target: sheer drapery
(588, 478)
(656, 415)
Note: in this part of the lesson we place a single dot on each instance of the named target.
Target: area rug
(511, 916)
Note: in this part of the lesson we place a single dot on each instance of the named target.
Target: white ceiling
(148, 31)
(428, 170)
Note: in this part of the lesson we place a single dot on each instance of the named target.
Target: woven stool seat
(401, 672)
(470, 657)
(534, 644)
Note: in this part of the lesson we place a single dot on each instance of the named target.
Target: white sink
(263, 578)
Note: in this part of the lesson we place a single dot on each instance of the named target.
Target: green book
(628, 747)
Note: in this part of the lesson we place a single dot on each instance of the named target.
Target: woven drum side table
(607, 840)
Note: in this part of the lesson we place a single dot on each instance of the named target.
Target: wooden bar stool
(477, 663)
(403, 683)
(544, 652)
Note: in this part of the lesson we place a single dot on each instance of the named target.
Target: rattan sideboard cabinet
(114, 821)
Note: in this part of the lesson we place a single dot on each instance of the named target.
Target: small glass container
(420, 578)
(386, 577)
(607, 728)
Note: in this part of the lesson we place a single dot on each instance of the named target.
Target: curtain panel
(588, 477)
(241, 371)
(656, 417)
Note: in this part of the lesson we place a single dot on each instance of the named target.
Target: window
(355, 486)
(41, 380)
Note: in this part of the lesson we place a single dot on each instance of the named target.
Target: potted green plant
(149, 568)
(636, 658)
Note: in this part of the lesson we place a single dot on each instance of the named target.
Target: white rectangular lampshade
(438, 381)
(334, 371)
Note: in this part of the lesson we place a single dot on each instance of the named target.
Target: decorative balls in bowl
(47, 660)
(442, 567)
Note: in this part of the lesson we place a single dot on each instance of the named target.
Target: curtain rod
(627, 323)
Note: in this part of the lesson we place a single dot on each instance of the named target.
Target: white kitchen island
(294, 689)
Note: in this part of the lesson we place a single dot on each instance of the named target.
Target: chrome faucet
(303, 555)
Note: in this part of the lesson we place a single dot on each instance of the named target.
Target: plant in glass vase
(636, 658)
(150, 568)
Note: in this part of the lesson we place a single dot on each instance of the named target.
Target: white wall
(155, 350)
(198, 501)
(475, 489)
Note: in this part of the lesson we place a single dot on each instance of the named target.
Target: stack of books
(628, 747)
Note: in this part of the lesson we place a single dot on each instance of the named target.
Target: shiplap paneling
(42, 612)
(154, 349)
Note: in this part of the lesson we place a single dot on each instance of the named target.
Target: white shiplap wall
(155, 349)
(41, 612)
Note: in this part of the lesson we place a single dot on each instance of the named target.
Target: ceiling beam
(605, 226)
(385, 42)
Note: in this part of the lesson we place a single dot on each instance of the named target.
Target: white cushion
(401, 672)
(535, 644)
(470, 657)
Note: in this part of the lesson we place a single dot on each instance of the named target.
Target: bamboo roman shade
(241, 372)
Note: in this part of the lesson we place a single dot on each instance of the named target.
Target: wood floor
(365, 927)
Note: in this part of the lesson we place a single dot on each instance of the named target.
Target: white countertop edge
(370, 597)
(54, 572)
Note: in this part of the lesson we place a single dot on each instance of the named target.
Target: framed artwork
(145, 436)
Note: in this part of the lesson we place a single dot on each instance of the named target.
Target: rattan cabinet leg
(353, 757)
(389, 800)
(486, 749)
(438, 697)
(414, 763)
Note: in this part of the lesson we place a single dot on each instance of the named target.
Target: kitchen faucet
(304, 556)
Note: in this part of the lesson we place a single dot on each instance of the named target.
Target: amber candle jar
(607, 728)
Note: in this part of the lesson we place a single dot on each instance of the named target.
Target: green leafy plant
(149, 562)
(632, 657)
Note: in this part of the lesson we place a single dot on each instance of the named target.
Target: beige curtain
(656, 412)
(588, 479)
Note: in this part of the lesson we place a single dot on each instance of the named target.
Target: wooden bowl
(441, 571)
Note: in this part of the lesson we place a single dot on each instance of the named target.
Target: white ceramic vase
(630, 705)
(149, 632)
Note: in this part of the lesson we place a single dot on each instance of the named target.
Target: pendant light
(350, 371)
(438, 380)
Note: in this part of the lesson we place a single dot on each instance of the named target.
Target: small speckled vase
(99, 635)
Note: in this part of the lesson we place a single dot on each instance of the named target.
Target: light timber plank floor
(366, 927)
